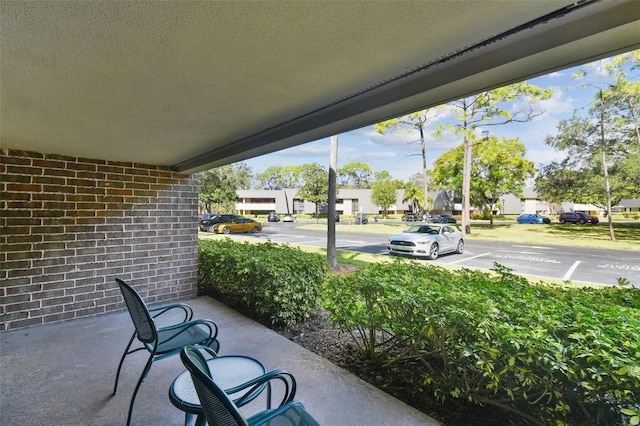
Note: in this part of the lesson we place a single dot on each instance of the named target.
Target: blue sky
(394, 153)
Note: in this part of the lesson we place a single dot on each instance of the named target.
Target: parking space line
(519, 251)
(534, 247)
(469, 258)
(571, 270)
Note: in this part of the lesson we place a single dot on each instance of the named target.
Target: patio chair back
(218, 409)
(145, 328)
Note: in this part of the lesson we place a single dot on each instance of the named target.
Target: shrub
(275, 281)
(547, 354)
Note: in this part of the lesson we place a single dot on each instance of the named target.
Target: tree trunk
(466, 187)
(331, 208)
(605, 169)
(424, 172)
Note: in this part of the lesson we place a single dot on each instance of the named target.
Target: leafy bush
(274, 281)
(545, 354)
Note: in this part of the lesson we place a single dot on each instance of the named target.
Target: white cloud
(544, 157)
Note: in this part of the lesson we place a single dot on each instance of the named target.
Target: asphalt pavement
(591, 265)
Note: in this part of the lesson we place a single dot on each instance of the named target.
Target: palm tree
(414, 196)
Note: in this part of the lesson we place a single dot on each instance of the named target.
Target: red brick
(24, 170)
(24, 187)
(29, 322)
(23, 289)
(15, 178)
(25, 205)
(49, 163)
(85, 167)
(59, 157)
(14, 304)
(49, 180)
(48, 196)
(58, 189)
(16, 273)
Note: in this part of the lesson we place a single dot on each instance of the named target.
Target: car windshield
(423, 229)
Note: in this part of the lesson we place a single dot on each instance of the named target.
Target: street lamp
(503, 209)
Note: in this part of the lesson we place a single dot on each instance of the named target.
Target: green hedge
(275, 281)
(546, 355)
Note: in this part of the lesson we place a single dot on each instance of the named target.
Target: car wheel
(563, 221)
(434, 250)
(210, 228)
(581, 221)
(460, 248)
(226, 230)
(254, 229)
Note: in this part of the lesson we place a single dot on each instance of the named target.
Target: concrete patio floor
(63, 374)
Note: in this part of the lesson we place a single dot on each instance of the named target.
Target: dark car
(273, 217)
(532, 218)
(578, 217)
(208, 221)
(443, 218)
(409, 217)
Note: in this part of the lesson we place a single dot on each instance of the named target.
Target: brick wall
(69, 226)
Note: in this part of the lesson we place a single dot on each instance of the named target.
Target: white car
(427, 241)
(287, 218)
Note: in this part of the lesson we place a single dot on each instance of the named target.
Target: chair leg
(126, 351)
(201, 420)
(135, 392)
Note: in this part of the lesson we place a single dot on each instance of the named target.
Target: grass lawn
(627, 234)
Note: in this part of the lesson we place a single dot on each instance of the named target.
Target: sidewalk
(62, 374)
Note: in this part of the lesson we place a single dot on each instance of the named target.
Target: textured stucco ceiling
(195, 84)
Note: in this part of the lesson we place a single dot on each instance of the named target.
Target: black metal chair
(220, 410)
(161, 342)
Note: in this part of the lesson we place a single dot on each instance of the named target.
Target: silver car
(427, 241)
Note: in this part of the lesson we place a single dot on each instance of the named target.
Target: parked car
(578, 217)
(409, 217)
(273, 217)
(238, 224)
(427, 241)
(209, 220)
(443, 218)
(532, 218)
(361, 219)
(287, 218)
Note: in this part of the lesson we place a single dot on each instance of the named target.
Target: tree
(603, 147)
(409, 123)
(513, 103)
(499, 168)
(315, 188)
(242, 175)
(279, 177)
(383, 191)
(580, 177)
(217, 187)
(414, 196)
(355, 175)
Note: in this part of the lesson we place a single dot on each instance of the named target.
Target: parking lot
(600, 266)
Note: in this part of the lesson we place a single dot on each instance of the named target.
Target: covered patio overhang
(195, 85)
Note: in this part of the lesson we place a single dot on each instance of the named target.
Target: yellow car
(238, 224)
